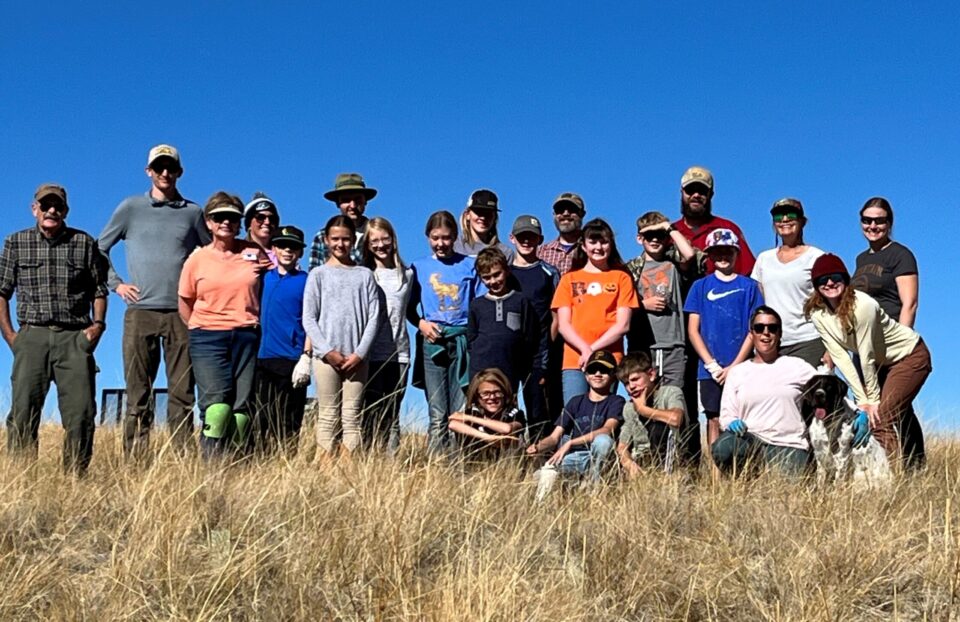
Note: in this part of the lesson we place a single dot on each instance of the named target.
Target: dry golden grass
(382, 540)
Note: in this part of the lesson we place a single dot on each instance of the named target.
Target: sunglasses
(262, 217)
(693, 189)
(786, 216)
(56, 204)
(760, 328)
(290, 246)
(161, 166)
(598, 369)
(836, 277)
(879, 220)
(230, 217)
(655, 236)
(566, 208)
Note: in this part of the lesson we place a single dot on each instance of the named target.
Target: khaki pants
(339, 402)
(145, 332)
(43, 354)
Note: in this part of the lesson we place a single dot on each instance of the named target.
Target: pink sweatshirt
(766, 396)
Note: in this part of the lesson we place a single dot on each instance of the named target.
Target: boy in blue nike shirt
(720, 306)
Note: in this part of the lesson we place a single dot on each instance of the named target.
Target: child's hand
(532, 450)
(655, 304)
(557, 457)
(333, 358)
(350, 363)
(430, 330)
(722, 376)
(631, 469)
(584, 357)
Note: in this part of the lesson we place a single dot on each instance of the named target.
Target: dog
(829, 415)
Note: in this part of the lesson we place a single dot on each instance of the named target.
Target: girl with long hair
(491, 419)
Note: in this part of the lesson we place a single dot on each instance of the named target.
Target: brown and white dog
(829, 415)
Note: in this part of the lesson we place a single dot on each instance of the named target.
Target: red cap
(828, 263)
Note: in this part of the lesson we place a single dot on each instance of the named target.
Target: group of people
(694, 323)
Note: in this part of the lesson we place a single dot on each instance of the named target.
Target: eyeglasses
(879, 220)
(760, 328)
(262, 217)
(655, 236)
(229, 217)
(786, 216)
(836, 277)
(692, 189)
(489, 395)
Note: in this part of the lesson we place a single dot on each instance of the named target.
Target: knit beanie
(828, 263)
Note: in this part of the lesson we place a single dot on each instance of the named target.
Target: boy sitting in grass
(651, 418)
(584, 432)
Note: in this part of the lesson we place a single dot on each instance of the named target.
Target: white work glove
(301, 372)
(714, 368)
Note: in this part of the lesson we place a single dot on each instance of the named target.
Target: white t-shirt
(766, 396)
(786, 286)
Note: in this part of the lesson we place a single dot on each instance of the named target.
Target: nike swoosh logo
(711, 296)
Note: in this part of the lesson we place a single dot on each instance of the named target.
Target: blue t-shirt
(725, 310)
(444, 288)
(281, 313)
(581, 416)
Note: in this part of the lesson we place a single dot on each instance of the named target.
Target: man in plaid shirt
(59, 276)
(568, 212)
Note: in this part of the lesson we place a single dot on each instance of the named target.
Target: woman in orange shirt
(593, 303)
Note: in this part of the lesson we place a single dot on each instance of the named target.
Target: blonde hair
(467, 231)
(382, 224)
(493, 376)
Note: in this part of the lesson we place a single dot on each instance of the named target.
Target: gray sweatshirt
(158, 237)
(341, 310)
(392, 342)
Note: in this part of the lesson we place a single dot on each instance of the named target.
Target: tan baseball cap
(572, 198)
(163, 151)
(46, 190)
(697, 175)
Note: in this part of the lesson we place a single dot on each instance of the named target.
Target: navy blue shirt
(281, 315)
(581, 416)
(503, 333)
(538, 283)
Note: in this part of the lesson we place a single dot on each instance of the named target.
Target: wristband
(101, 324)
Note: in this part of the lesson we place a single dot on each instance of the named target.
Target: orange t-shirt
(594, 298)
(225, 287)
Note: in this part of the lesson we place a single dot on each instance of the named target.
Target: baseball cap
(572, 198)
(163, 151)
(697, 175)
(483, 199)
(46, 190)
(602, 357)
(527, 223)
(787, 204)
(288, 233)
(722, 237)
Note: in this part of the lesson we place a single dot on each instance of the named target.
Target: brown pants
(900, 387)
(145, 331)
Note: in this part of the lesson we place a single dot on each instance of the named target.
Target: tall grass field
(410, 539)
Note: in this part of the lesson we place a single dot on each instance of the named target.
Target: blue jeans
(590, 462)
(223, 365)
(574, 383)
(444, 396)
(733, 453)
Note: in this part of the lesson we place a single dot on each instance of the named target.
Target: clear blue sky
(829, 102)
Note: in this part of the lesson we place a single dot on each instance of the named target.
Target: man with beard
(568, 212)
(351, 195)
(696, 195)
(696, 223)
(159, 230)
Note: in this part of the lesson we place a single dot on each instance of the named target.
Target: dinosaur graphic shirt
(724, 309)
(445, 287)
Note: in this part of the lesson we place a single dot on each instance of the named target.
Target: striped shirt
(56, 280)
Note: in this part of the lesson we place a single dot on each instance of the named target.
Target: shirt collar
(155, 202)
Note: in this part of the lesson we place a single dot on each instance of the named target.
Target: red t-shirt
(745, 259)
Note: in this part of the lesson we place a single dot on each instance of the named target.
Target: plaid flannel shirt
(319, 252)
(56, 280)
(554, 254)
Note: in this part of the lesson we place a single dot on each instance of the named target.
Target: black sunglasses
(165, 165)
(262, 217)
(693, 189)
(836, 277)
(651, 236)
(760, 328)
(569, 208)
(225, 217)
(603, 369)
(56, 204)
(879, 220)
